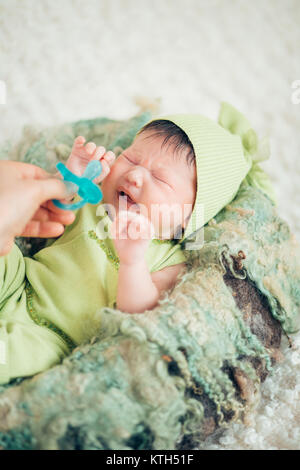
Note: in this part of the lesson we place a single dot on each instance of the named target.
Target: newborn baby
(147, 190)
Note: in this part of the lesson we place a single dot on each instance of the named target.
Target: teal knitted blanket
(130, 386)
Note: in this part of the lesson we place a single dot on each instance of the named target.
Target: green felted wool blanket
(167, 378)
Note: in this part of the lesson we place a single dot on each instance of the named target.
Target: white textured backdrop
(74, 59)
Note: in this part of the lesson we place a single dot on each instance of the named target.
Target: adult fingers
(36, 228)
(43, 214)
(24, 170)
(69, 214)
(50, 188)
(6, 246)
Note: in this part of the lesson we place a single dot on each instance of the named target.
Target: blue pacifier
(83, 185)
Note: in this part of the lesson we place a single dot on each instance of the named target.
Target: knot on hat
(259, 150)
(255, 150)
(235, 122)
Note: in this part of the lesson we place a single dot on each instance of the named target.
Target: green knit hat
(226, 154)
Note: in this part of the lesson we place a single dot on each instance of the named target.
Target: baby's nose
(136, 177)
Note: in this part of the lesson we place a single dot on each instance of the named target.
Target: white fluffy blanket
(74, 59)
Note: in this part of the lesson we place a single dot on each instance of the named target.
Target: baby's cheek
(115, 172)
(108, 181)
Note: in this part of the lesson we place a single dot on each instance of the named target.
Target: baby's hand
(131, 233)
(82, 154)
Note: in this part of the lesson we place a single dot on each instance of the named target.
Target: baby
(120, 254)
(126, 252)
(157, 171)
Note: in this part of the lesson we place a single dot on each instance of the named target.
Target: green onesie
(47, 301)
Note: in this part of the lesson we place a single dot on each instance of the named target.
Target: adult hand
(25, 206)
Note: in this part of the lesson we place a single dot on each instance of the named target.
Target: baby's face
(156, 181)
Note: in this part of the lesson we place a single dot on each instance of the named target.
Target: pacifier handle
(84, 185)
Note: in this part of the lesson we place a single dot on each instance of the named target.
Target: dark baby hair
(173, 134)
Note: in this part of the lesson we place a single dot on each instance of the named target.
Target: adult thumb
(50, 188)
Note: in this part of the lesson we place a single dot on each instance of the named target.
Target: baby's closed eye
(161, 180)
(127, 159)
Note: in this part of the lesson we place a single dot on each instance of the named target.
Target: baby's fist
(131, 233)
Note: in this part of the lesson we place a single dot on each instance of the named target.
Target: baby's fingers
(79, 141)
(90, 149)
(110, 157)
(106, 159)
(133, 226)
(105, 171)
(98, 152)
(140, 228)
(118, 229)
